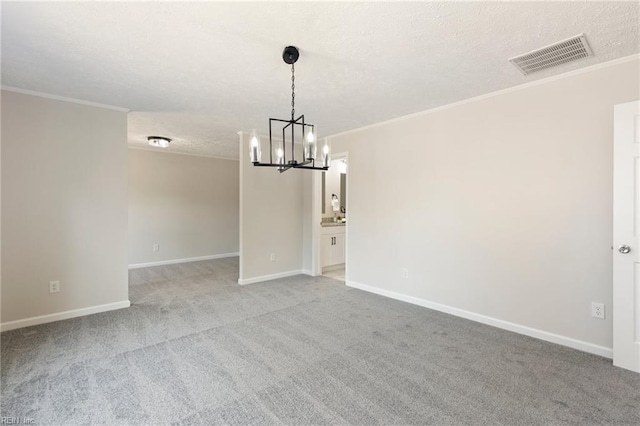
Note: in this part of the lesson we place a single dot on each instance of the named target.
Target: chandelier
(306, 133)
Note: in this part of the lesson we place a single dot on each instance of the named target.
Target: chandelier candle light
(307, 133)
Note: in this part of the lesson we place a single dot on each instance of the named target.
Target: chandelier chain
(293, 92)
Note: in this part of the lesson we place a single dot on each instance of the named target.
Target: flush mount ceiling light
(159, 141)
(306, 132)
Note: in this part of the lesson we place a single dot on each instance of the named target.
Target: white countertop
(333, 223)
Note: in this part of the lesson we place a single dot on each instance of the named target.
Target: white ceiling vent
(555, 54)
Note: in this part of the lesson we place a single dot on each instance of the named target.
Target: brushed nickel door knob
(624, 249)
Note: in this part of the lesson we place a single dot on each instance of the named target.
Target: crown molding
(62, 98)
(164, 151)
(519, 87)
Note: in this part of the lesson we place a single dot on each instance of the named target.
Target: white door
(626, 236)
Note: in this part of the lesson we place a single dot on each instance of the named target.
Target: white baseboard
(12, 325)
(185, 260)
(505, 325)
(270, 277)
(307, 272)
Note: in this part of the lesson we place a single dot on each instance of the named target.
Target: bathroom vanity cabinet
(332, 245)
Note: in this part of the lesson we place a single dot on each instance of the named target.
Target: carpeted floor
(197, 348)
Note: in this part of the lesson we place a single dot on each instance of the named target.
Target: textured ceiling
(199, 72)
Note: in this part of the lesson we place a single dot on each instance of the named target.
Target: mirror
(334, 182)
(343, 194)
(324, 190)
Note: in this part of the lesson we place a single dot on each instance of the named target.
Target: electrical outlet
(54, 286)
(156, 247)
(597, 310)
(273, 257)
(404, 273)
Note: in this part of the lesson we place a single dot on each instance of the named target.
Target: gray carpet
(197, 348)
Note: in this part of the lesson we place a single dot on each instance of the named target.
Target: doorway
(333, 222)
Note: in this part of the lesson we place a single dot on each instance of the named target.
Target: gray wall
(64, 206)
(500, 207)
(188, 205)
